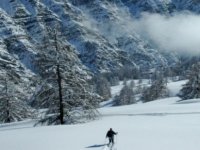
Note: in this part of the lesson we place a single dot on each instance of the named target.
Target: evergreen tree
(102, 87)
(156, 90)
(132, 84)
(192, 88)
(12, 105)
(114, 81)
(125, 97)
(64, 91)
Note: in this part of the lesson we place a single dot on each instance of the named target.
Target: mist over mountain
(103, 35)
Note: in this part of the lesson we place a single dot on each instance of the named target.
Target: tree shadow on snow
(96, 146)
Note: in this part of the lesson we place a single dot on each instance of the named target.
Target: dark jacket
(110, 133)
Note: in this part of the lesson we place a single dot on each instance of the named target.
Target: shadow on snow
(96, 146)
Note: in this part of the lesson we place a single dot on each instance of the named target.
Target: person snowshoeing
(110, 135)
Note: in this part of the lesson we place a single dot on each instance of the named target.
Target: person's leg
(110, 140)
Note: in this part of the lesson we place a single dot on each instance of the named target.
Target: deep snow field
(164, 124)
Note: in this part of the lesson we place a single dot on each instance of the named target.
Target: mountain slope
(98, 49)
(100, 33)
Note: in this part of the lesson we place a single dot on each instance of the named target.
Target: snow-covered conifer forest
(72, 69)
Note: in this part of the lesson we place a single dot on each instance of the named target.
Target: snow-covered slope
(161, 6)
(161, 124)
(94, 28)
(176, 132)
(100, 34)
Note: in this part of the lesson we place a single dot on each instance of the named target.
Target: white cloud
(180, 32)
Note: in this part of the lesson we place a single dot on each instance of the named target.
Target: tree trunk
(7, 112)
(61, 117)
(7, 103)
